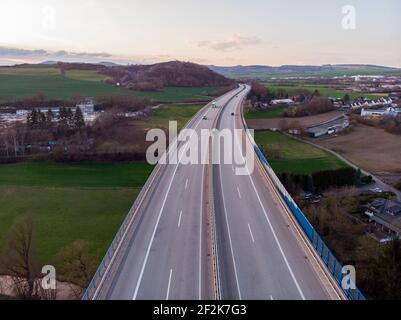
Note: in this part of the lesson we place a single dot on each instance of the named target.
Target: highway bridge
(201, 231)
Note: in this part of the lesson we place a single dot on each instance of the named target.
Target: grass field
(265, 114)
(180, 113)
(19, 82)
(172, 94)
(289, 155)
(263, 75)
(69, 201)
(324, 91)
(86, 75)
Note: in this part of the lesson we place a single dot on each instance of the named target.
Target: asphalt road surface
(165, 252)
(259, 255)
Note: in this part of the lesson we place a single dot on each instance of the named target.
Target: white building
(87, 106)
(282, 101)
(388, 112)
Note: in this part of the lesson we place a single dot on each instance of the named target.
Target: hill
(166, 74)
(259, 71)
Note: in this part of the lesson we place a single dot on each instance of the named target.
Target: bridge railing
(332, 264)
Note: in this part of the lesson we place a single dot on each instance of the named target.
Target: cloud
(237, 42)
(18, 52)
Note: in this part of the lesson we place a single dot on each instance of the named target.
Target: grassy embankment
(291, 156)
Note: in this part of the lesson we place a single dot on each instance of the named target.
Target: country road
(167, 252)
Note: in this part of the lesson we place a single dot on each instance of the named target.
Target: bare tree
(19, 262)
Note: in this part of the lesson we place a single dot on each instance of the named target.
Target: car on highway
(204, 118)
(376, 190)
(232, 113)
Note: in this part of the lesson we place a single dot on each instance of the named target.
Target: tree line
(67, 118)
(321, 181)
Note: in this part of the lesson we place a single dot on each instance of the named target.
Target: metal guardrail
(332, 264)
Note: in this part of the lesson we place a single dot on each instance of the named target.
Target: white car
(377, 190)
(331, 130)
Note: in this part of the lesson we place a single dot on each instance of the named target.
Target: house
(366, 103)
(394, 210)
(375, 207)
(386, 213)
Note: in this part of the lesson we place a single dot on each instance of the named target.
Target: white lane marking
(229, 236)
(169, 283)
(159, 216)
(239, 193)
(271, 298)
(270, 225)
(250, 231)
(179, 219)
(186, 184)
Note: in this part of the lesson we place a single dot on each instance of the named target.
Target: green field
(69, 201)
(173, 112)
(265, 114)
(263, 75)
(172, 94)
(86, 75)
(19, 82)
(292, 156)
(324, 91)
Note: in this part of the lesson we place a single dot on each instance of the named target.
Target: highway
(164, 255)
(169, 251)
(260, 256)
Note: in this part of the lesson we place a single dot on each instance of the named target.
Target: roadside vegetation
(265, 114)
(339, 219)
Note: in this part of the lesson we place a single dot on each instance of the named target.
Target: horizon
(280, 32)
(100, 62)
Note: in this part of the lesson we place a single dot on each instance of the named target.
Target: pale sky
(220, 32)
